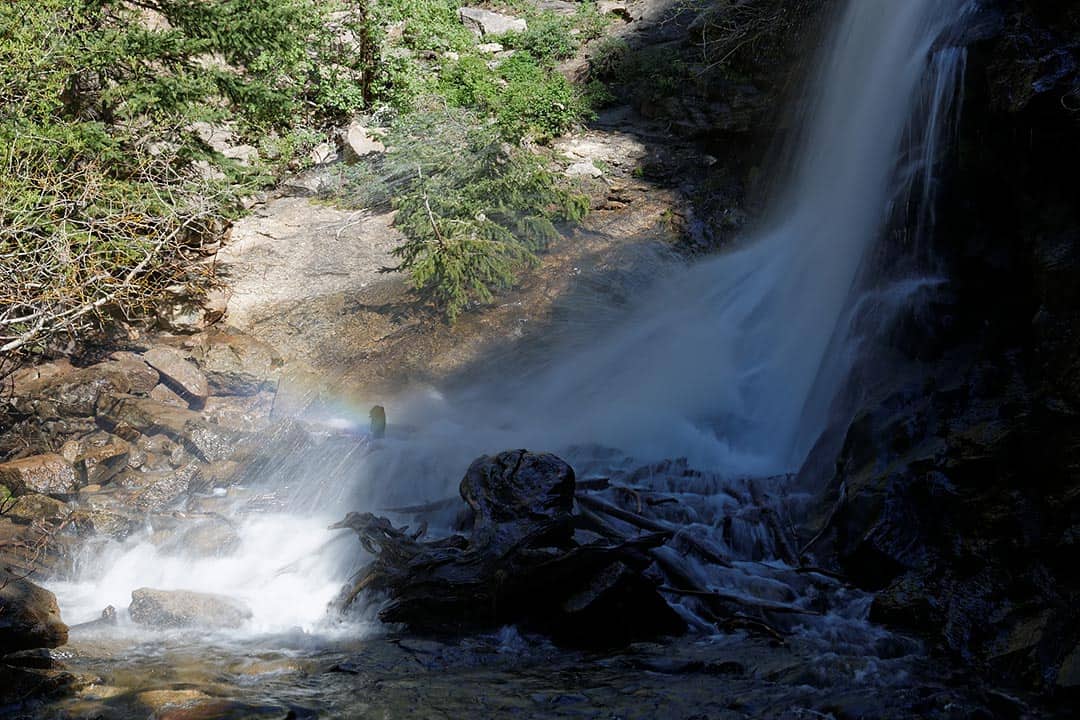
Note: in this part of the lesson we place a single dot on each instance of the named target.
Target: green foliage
(607, 58)
(590, 22)
(101, 197)
(536, 101)
(426, 24)
(547, 38)
(525, 98)
(474, 209)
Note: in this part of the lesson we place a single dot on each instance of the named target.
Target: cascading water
(731, 362)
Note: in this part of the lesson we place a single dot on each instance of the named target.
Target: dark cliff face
(957, 486)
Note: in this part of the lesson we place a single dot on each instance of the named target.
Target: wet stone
(98, 465)
(180, 374)
(183, 608)
(31, 617)
(47, 474)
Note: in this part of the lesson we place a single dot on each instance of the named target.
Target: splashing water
(731, 362)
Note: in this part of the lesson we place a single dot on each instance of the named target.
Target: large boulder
(29, 616)
(490, 24)
(70, 393)
(48, 474)
(235, 363)
(183, 608)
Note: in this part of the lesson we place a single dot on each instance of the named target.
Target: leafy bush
(525, 98)
(607, 58)
(427, 24)
(547, 38)
(537, 101)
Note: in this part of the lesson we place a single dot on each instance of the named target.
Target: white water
(731, 362)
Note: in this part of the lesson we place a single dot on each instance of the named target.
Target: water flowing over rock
(183, 608)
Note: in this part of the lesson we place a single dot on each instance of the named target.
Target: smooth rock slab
(184, 608)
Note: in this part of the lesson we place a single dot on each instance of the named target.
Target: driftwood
(598, 505)
(520, 564)
(523, 562)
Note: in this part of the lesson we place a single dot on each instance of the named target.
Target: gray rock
(243, 154)
(183, 608)
(486, 23)
(235, 363)
(218, 137)
(358, 143)
(181, 375)
(165, 396)
(126, 414)
(29, 616)
(585, 168)
(47, 474)
(141, 377)
(75, 393)
(157, 490)
(323, 153)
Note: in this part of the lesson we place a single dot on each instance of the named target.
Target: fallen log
(596, 504)
(766, 605)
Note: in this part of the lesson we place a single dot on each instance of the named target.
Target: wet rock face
(957, 490)
(29, 616)
(520, 565)
(182, 608)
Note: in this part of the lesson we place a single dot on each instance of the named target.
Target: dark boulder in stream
(29, 616)
(523, 564)
(29, 624)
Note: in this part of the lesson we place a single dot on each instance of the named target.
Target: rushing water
(731, 362)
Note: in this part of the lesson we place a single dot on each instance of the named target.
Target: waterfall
(734, 361)
(731, 362)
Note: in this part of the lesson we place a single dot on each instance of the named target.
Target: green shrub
(428, 24)
(536, 101)
(526, 99)
(547, 38)
(474, 209)
(607, 58)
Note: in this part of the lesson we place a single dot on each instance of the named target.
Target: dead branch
(645, 523)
